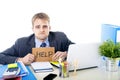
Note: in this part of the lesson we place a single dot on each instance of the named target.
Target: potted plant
(111, 51)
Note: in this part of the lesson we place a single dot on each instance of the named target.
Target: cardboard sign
(43, 53)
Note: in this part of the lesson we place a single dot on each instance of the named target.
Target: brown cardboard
(43, 53)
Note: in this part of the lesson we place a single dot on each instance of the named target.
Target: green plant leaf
(109, 49)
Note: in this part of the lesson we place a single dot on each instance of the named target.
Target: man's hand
(28, 59)
(58, 55)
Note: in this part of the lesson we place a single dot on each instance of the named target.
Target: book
(23, 71)
(42, 67)
(16, 78)
(30, 76)
(55, 63)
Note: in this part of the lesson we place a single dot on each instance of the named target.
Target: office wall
(80, 19)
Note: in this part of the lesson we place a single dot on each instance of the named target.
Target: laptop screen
(82, 56)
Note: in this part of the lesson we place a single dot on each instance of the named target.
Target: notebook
(83, 56)
(42, 67)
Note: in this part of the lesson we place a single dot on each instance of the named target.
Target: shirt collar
(38, 42)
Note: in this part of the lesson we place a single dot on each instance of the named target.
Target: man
(22, 49)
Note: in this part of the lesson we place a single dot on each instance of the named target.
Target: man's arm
(59, 55)
(63, 44)
(10, 55)
(20, 49)
(28, 59)
(7, 56)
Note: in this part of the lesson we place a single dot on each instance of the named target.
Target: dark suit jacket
(24, 45)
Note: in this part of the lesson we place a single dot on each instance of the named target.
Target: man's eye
(37, 27)
(45, 26)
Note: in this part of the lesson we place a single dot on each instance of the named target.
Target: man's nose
(41, 29)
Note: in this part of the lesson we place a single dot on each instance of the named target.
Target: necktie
(43, 45)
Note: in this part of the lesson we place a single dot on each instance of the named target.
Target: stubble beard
(42, 38)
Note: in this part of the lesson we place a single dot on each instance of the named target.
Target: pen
(65, 69)
(60, 67)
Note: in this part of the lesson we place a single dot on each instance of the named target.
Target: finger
(63, 55)
(32, 57)
(54, 58)
(56, 54)
(29, 61)
(29, 54)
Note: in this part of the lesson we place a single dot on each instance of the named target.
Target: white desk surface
(88, 74)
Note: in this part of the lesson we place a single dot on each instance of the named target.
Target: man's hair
(40, 16)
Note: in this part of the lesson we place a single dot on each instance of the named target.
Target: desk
(88, 74)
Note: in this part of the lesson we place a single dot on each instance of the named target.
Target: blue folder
(2, 69)
(109, 31)
(25, 73)
(30, 76)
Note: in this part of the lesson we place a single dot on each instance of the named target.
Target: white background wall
(80, 19)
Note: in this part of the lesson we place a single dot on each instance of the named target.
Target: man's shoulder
(57, 33)
(27, 38)
(57, 36)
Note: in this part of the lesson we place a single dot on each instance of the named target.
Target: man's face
(41, 29)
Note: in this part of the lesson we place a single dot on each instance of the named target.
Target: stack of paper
(42, 66)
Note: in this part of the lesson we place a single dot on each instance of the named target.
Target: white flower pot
(112, 64)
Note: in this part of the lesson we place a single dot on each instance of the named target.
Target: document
(42, 66)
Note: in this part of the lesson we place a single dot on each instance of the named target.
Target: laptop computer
(83, 56)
